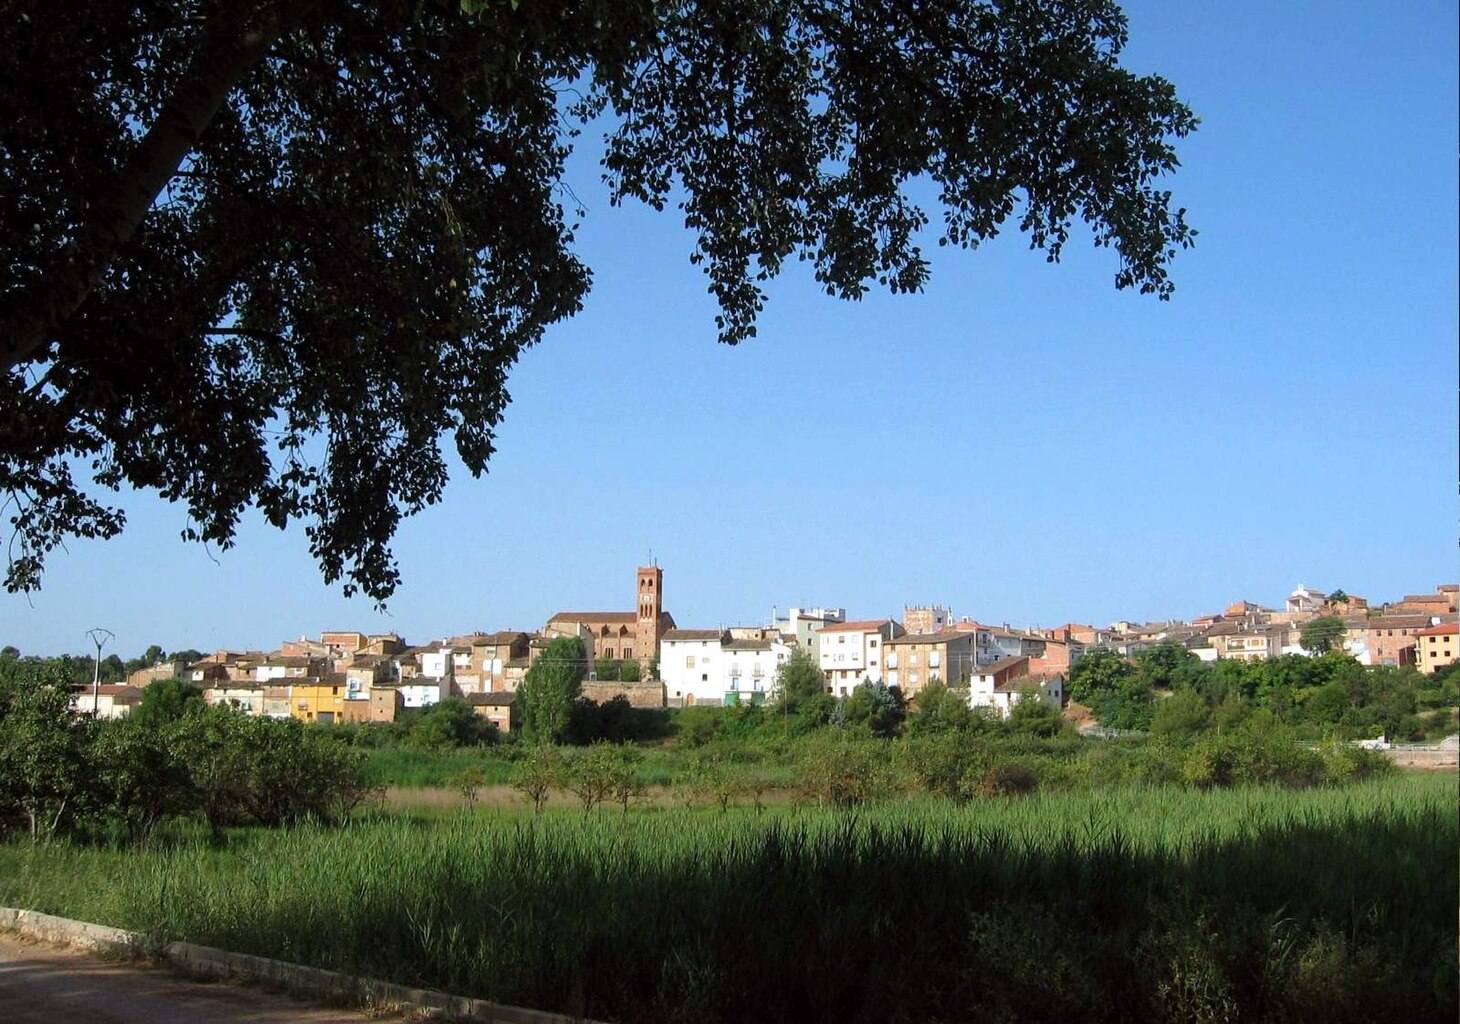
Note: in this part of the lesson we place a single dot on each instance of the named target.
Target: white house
(421, 692)
(439, 663)
(852, 651)
(690, 666)
(1306, 600)
(1001, 685)
(750, 669)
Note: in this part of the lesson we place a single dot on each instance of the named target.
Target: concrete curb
(98, 938)
(207, 962)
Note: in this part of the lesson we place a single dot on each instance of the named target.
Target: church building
(623, 636)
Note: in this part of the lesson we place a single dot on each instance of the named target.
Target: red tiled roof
(624, 617)
(862, 626)
(1443, 629)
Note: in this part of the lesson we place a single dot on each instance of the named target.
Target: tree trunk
(230, 45)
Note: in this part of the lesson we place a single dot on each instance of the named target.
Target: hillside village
(643, 655)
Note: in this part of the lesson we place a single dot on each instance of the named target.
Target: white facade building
(1002, 685)
(690, 665)
(750, 669)
(439, 663)
(708, 666)
(1306, 600)
(852, 651)
(420, 693)
(805, 624)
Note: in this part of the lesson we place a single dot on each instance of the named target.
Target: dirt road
(44, 985)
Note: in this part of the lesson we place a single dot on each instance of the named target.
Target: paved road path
(44, 985)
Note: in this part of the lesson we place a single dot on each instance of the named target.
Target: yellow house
(317, 700)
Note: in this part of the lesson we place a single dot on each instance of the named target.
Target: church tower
(651, 604)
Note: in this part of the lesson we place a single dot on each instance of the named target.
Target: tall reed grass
(1126, 905)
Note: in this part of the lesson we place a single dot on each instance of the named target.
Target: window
(872, 642)
(608, 652)
(934, 660)
(689, 661)
(912, 659)
(841, 639)
(892, 677)
(892, 660)
(704, 678)
(912, 678)
(628, 653)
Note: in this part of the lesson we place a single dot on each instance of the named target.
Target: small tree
(166, 700)
(629, 671)
(877, 707)
(469, 782)
(1321, 635)
(142, 775)
(450, 723)
(552, 684)
(939, 709)
(798, 680)
(625, 786)
(844, 772)
(1114, 689)
(1181, 716)
(537, 773)
(1033, 714)
(44, 770)
(712, 778)
(592, 774)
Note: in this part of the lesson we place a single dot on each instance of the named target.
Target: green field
(1129, 904)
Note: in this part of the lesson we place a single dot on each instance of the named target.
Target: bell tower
(650, 605)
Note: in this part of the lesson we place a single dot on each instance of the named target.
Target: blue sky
(1021, 441)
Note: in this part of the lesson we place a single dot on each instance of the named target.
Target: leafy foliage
(552, 684)
(165, 700)
(450, 723)
(873, 706)
(62, 774)
(799, 682)
(44, 757)
(334, 226)
(1113, 688)
(1321, 635)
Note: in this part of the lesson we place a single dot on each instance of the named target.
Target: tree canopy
(1323, 634)
(552, 684)
(268, 255)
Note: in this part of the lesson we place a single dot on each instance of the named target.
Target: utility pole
(99, 637)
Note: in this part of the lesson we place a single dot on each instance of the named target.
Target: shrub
(537, 773)
(1344, 762)
(844, 772)
(1008, 778)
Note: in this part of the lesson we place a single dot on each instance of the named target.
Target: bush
(539, 770)
(249, 770)
(844, 772)
(614, 721)
(450, 723)
(1008, 778)
(1344, 762)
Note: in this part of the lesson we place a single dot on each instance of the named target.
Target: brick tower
(650, 607)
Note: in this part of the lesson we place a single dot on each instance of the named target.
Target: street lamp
(99, 637)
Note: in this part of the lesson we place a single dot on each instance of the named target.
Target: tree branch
(230, 45)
